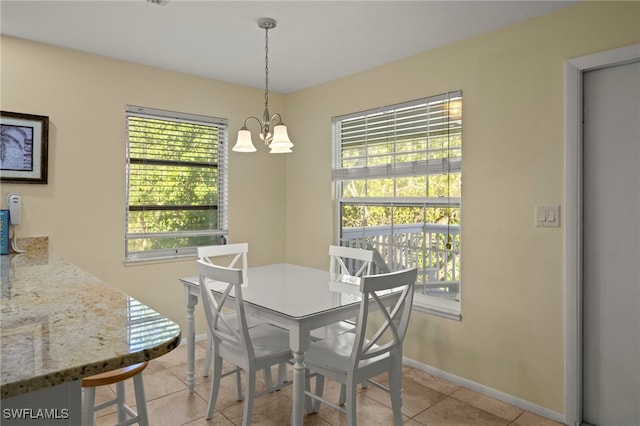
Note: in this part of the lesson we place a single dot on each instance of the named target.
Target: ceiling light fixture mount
(276, 137)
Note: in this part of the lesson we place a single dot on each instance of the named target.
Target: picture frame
(24, 144)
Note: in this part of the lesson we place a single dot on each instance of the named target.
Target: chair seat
(332, 330)
(334, 354)
(232, 318)
(269, 340)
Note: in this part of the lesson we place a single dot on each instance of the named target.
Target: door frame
(574, 70)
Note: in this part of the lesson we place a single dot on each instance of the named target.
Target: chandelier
(276, 137)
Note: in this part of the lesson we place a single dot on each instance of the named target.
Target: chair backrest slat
(350, 261)
(223, 250)
(214, 305)
(216, 254)
(395, 314)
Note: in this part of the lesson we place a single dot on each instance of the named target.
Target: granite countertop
(59, 324)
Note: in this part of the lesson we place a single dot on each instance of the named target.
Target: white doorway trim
(574, 69)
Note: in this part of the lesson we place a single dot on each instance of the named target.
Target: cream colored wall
(83, 206)
(511, 335)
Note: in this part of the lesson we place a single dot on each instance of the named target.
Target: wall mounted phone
(14, 204)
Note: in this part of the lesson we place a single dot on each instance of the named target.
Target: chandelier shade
(275, 137)
(244, 143)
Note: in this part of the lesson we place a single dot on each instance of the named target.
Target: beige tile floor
(427, 401)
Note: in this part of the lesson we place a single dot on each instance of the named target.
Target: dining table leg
(190, 301)
(297, 413)
(299, 342)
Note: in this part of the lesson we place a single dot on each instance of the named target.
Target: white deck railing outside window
(414, 245)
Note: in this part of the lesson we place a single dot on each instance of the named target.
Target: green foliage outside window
(173, 184)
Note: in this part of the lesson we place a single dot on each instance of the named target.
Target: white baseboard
(485, 390)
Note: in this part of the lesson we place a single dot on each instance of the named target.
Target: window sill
(158, 259)
(435, 306)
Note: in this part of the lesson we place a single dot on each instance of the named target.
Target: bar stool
(118, 377)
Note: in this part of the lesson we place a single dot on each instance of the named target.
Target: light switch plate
(548, 216)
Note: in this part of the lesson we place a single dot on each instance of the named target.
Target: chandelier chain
(266, 67)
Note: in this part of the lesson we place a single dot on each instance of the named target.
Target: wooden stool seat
(116, 377)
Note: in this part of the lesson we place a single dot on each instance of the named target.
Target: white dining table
(296, 298)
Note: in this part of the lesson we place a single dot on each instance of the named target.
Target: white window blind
(176, 183)
(400, 140)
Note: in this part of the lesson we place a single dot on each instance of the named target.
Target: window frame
(222, 191)
(430, 304)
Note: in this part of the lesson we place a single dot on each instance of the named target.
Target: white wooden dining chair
(350, 262)
(351, 358)
(214, 255)
(231, 255)
(250, 349)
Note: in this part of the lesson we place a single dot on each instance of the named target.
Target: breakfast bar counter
(60, 324)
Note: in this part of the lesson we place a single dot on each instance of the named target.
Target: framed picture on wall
(24, 147)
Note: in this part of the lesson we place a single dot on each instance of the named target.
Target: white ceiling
(314, 41)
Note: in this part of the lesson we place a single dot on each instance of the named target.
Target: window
(176, 183)
(397, 172)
